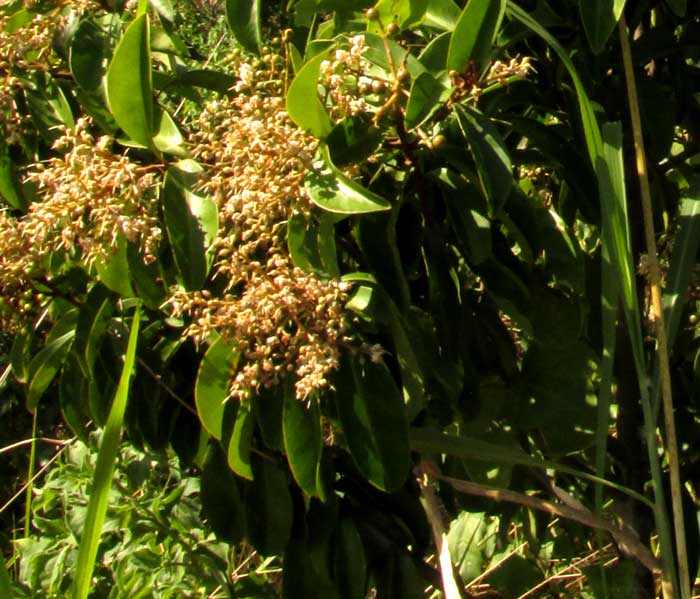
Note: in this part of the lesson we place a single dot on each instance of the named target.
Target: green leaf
(465, 540)
(353, 140)
(129, 83)
(222, 503)
(304, 106)
(331, 190)
(243, 17)
(168, 137)
(442, 14)
(93, 321)
(44, 366)
(490, 154)
(191, 222)
(48, 106)
(350, 561)
(269, 507)
(104, 470)
(20, 354)
(466, 211)
(5, 582)
(268, 413)
(302, 440)
(405, 13)
(425, 98)
(373, 302)
(88, 52)
(373, 420)
(113, 270)
(9, 187)
(599, 19)
(212, 386)
(474, 34)
(240, 443)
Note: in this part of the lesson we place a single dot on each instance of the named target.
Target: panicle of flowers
(90, 197)
(287, 323)
(344, 78)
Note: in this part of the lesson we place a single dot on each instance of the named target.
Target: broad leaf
(331, 190)
(302, 440)
(93, 321)
(44, 367)
(442, 14)
(129, 83)
(240, 443)
(490, 154)
(474, 34)
(88, 52)
(599, 19)
(405, 13)
(243, 17)
(212, 386)
(303, 104)
(426, 97)
(373, 419)
(350, 561)
(9, 187)
(191, 222)
(678, 6)
(113, 270)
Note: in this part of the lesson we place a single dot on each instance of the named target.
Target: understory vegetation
(346, 299)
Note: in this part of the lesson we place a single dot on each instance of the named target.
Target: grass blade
(5, 582)
(102, 480)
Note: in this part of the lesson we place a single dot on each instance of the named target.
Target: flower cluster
(287, 323)
(345, 81)
(91, 197)
(86, 199)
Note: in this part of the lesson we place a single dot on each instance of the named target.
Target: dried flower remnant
(91, 197)
(288, 323)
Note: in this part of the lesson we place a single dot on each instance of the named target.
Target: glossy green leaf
(405, 13)
(599, 20)
(465, 540)
(240, 443)
(373, 420)
(269, 507)
(73, 397)
(88, 54)
(9, 186)
(104, 470)
(243, 17)
(129, 83)
(205, 78)
(44, 367)
(304, 106)
(467, 215)
(167, 136)
(303, 442)
(222, 501)
(353, 140)
(474, 33)
(113, 270)
(20, 354)
(48, 106)
(490, 154)
(331, 190)
(373, 302)
(93, 321)
(442, 14)
(349, 561)
(268, 410)
(191, 222)
(425, 98)
(212, 387)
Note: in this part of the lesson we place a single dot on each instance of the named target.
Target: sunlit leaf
(331, 190)
(240, 443)
(129, 83)
(474, 33)
(212, 386)
(302, 440)
(243, 18)
(303, 104)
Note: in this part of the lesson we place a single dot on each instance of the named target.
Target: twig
(626, 540)
(158, 379)
(10, 501)
(19, 444)
(661, 340)
(432, 510)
